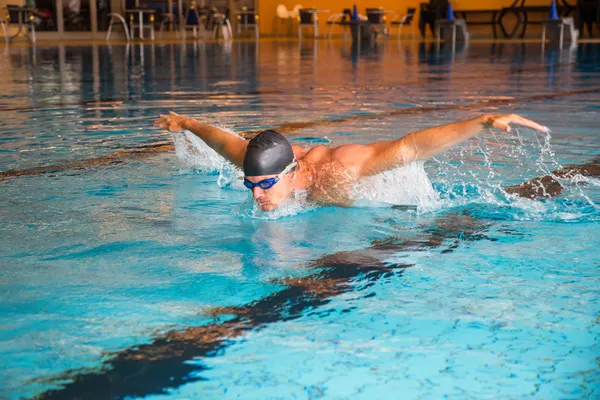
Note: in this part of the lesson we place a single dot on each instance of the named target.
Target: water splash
(478, 172)
(195, 154)
(407, 185)
(474, 174)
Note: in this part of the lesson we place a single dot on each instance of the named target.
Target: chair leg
(109, 30)
(32, 28)
(400, 30)
(229, 30)
(128, 33)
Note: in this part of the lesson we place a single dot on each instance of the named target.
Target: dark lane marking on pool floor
(549, 185)
(145, 151)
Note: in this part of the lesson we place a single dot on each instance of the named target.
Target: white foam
(295, 204)
(407, 185)
(195, 154)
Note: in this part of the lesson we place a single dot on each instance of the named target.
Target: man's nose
(257, 192)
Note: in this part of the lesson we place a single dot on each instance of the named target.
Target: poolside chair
(405, 20)
(282, 17)
(117, 17)
(14, 14)
(247, 19)
(74, 16)
(43, 14)
(147, 23)
(219, 23)
(560, 31)
(194, 21)
(338, 19)
(295, 11)
(377, 18)
(168, 18)
(305, 20)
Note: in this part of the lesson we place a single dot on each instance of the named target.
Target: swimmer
(273, 168)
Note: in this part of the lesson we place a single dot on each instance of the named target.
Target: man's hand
(502, 121)
(173, 122)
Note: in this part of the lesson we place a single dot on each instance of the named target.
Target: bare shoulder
(351, 155)
(316, 155)
(348, 155)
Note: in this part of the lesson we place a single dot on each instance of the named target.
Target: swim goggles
(269, 182)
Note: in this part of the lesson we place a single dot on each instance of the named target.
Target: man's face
(269, 199)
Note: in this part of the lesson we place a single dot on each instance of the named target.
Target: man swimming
(274, 169)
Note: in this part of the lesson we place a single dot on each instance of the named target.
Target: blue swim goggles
(269, 182)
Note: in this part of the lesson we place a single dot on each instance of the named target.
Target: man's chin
(268, 207)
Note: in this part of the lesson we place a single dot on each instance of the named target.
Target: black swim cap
(268, 153)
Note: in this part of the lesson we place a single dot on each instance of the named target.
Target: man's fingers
(529, 124)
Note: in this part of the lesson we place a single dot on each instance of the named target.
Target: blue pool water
(155, 277)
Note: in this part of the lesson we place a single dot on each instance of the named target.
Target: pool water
(157, 277)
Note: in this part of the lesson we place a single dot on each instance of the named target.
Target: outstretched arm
(382, 156)
(226, 144)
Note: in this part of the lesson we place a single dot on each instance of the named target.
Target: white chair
(295, 11)
(119, 18)
(221, 21)
(282, 15)
(405, 20)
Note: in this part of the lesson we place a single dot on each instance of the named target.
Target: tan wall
(267, 8)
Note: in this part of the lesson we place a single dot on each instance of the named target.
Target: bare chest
(331, 184)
